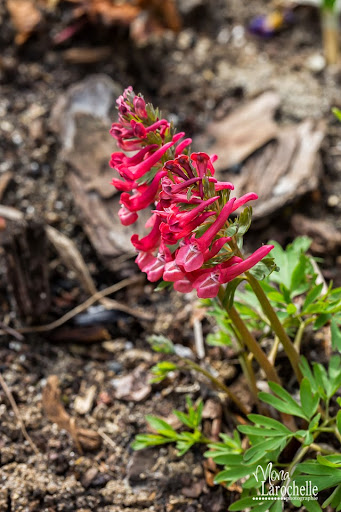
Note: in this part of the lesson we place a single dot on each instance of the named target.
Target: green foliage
(325, 383)
(166, 434)
(337, 113)
(160, 343)
(299, 299)
(293, 289)
(161, 370)
(329, 4)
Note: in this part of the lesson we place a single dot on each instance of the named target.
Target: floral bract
(189, 243)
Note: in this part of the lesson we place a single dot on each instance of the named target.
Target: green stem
(330, 34)
(252, 345)
(217, 383)
(317, 448)
(276, 325)
(273, 353)
(299, 335)
(246, 367)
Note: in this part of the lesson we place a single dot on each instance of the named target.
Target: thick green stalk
(330, 32)
(252, 345)
(276, 325)
(246, 367)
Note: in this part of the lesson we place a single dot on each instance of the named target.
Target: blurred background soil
(198, 75)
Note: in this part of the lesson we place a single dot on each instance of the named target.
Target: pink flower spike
(127, 218)
(230, 273)
(142, 168)
(251, 196)
(207, 285)
(182, 146)
(222, 185)
(140, 107)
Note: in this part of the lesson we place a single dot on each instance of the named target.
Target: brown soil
(212, 66)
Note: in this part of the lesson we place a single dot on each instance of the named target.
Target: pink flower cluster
(188, 244)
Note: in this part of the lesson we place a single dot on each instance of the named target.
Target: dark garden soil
(102, 359)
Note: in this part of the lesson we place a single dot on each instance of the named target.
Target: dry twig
(16, 411)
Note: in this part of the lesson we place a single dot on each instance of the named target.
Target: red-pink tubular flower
(183, 285)
(191, 255)
(185, 217)
(137, 171)
(172, 272)
(139, 130)
(207, 285)
(120, 158)
(151, 241)
(154, 267)
(251, 196)
(186, 229)
(139, 201)
(230, 273)
(223, 185)
(216, 247)
(183, 161)
(127, 217)
(140, 107)
(129, 144)
(184, 144)
(123, 186)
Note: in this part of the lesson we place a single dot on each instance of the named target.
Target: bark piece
(239, 134)
(25, 252)
(285, 170)
(326, 238)
(279, 163)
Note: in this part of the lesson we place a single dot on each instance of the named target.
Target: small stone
(333, 201)
(185, 39)
(88, 477)
(316, 63)
(223, 36)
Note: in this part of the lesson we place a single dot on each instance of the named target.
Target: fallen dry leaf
(25, 17)
(84, 439)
